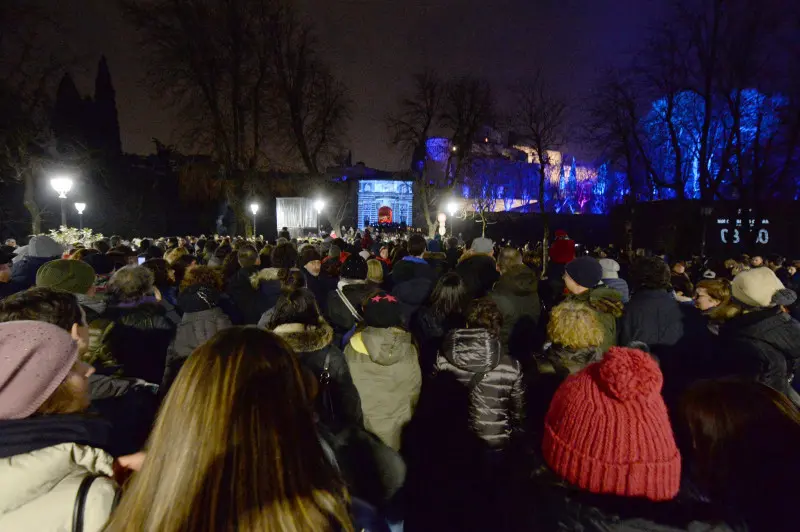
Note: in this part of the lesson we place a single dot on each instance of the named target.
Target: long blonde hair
(235, 448)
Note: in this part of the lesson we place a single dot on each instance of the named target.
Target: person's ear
(74, 331)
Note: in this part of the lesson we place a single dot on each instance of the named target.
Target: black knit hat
(308, 254)
(383, 310)
(586, 271)
(354, 267)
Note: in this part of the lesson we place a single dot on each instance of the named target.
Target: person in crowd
(141, 332)
(757, 261)
(269, 281)
(741, 441)
(344, 303)
(40, 249)
(204, 308)
(284, 233)
(164, 279)
(474, 358)
(757, 339)
(81, 253)
(776, 264)
(412, 278)
(75, 277)
(709, 296)
(220, 424)
(516, 295)
(240, 288)
(582, 278)
(182, 265)
(298, 321)
(612, 280)
(384, 364)
(436, 258)
(611, 459)
(7, 287)
(375, 273)
(446, 310)
(478, 268)
(318, 282)
(103, 267)
(681, 284)
(652, 316)
(209, 250)
(230, 265)
(49, 448)
(384, 257)
(102, 246)
(10, 242)
(452, 252)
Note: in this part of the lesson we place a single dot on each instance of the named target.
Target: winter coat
(653, 317)
(479, 273)
(763, 345)
(385, 370)
(43, 461)
(268, 283)
(94, 307)
(246, 298)
(562, 251)
(608, 305)
(203, 317)
(339, 316)
(23, 273)
(621, 286)
(429, 330)
(492, 381)
(412, 294)
(320, 286)
(412, 268)
(516, 295)
(560, 507)
(139, 339)
(313, 345)
(682, 284)
(453, 255)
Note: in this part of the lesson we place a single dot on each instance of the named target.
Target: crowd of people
(394, 382)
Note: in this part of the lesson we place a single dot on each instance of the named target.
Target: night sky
(375, 46)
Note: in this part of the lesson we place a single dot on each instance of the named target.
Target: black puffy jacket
(763, 345)
(203, 317)
(491, 379)
(516, 296)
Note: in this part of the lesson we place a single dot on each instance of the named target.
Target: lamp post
(452, 207)
(319, 205)
(254, 210)
(80, 207)
(62, 185)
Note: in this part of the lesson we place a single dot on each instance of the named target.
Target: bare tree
(411, 126)
(540, 117)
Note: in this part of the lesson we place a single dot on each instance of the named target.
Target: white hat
(610, 268)
(756, 287)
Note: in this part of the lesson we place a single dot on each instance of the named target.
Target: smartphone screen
(141, 260)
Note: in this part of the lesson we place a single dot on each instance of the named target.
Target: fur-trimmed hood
(304, 338)
(267, 274)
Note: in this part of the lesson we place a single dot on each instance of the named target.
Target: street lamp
(452, 207)
(254, 210)
(319, 205)
(62, 185)
(80, 207)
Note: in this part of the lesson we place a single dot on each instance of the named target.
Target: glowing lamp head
(452, 207)
(454, 149)
(254, 208)
(62, 185)
(80, 207)
(319, 205)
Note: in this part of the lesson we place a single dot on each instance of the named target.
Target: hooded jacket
(339, 316)
(763, 345)
(313, 345)
(608, 305)
(493, 381)
(43, 461)
(23, 273)
(516, 295)
(202, 319)
(385, 370)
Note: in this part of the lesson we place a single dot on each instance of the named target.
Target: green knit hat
(74, 276)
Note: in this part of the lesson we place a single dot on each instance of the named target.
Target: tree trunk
(426, 210)
(29, 199)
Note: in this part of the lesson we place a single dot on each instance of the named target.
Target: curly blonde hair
(574, 324)
(204, 276)
(175, 254)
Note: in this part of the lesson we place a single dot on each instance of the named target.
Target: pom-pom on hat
(607, 430)
(610, 268)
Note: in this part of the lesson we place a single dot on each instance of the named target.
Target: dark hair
(651, 273)
(417, 245)
(114, 241)
(295, 306)
(484, 314)
(452, 243)
(399, 253)
(203, 276)
(160, 269)
(230, 265)
(222, 251)
(172, 242)
(449, 296)
(180, 265)
(284, 256)
(248, 256)
(144, 244)
(292, 279)
(210, 249)
(42, 304)
(266, 256)
(126, 251)
(741, 439)
(101, 246)
(332, 268)
(776, 259)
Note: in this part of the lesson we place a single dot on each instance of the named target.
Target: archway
(385, 215)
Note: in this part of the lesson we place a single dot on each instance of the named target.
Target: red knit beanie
(607, 430)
